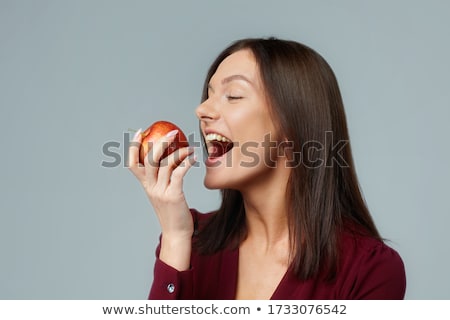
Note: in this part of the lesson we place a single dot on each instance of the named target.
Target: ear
(286, 148)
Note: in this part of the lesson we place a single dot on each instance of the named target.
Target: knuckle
(177, 174)
(156, 195)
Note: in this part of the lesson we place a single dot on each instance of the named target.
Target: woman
(293, 223)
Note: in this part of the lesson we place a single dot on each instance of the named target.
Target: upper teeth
(216, 136)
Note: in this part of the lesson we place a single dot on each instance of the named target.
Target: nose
(206, 111)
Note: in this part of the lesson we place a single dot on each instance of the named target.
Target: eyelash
(233, 97)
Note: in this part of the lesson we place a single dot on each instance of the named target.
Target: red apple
(155, 132)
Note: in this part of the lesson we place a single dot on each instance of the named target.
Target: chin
(213, 184)
(218, 180)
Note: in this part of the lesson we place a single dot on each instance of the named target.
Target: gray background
(75, 75)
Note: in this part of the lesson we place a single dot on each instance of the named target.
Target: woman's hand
(162, 181)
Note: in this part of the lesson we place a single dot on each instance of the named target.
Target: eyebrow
(233, 78)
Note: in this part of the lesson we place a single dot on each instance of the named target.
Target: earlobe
(286, 148)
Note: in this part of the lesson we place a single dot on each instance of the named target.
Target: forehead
(241, 62)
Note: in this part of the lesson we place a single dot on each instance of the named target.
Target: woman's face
(235, 119)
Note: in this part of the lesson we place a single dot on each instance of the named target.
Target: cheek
(255, 155)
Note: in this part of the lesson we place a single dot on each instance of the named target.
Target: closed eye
(234, 97)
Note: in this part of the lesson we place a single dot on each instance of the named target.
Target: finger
(170, 163)
(152, 160)
(180, 171)
(133, 150)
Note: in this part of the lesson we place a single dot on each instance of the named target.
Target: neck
(266, 210)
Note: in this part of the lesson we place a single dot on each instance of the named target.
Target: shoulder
(376, 270)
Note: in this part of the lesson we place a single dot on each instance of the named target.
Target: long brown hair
(323, 192)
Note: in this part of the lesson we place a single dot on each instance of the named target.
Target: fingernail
(137, 133)
(172, 133)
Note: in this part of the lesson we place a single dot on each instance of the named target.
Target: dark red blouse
(369, 270)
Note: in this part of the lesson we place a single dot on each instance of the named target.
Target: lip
(214, 161)
(209, 131)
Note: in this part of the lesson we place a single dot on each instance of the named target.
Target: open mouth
(217, 145)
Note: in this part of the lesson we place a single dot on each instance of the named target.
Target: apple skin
(155, 132)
